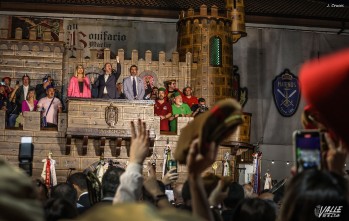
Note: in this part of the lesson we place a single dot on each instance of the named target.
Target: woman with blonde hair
(30, 103)
(79, 85)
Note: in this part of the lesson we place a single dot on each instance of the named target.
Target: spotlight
(288, 163)
(272, 162)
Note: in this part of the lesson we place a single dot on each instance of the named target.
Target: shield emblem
(286, 93)
(111, 115)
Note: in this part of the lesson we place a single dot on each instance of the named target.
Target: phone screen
(307, 149)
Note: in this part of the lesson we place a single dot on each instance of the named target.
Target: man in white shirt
(50, 111)
(133, 85)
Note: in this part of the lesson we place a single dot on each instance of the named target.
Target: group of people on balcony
(170, 102)
(22, 98)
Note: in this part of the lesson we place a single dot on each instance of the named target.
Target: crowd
(170, 102)
(135, 194)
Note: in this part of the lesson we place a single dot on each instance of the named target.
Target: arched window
(216, 51)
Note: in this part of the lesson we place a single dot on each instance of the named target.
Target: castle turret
(208, 37)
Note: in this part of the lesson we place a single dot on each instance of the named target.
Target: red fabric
(48, 173)
(325, 86)
(190, 101)
(162, 110)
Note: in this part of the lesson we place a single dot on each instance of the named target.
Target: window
(216, 51)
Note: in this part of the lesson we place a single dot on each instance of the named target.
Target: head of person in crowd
(177, 98)
(65, 191)
(79, 70)
(187, 91)
(248, 190)
(25, 80)
(18, 196)
(155, 91)
(108, 68)
(58, 209)
(254, 209)
(161, 93)
(311, 191)
(202, 101)
(171, 85)
(42, 191)
(111, 181)
(133, 70)
(235, 195)
(2, 90)
(31, 95)
(79, 182)
(7, 81)
(50, 91)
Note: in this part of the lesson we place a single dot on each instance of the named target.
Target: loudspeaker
(25, 155)
(26, 152)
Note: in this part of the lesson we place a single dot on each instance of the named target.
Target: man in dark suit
(133, 85)
(106, 83)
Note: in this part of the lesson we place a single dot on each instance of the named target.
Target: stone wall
(46, 140)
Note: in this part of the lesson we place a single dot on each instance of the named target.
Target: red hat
(325, 86)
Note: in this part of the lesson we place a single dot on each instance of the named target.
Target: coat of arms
(286, 93)
(111, 115)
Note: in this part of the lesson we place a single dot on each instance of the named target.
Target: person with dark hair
(235, 195)
(188, 97)
(133, 85)
(119, 91)
(59, 208)
(163, 109)
(40, 89)
(65, 191)
(170, 89)
(79, 182)
(6, 82)
(254, 210)
(200, 107)
(20, 92)
(106, 83)
(110, 183)
(312, 191)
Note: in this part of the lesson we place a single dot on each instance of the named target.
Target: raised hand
(196, 162)
(170, 177)
(139, 143)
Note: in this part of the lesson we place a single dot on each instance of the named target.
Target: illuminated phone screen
(308, 150)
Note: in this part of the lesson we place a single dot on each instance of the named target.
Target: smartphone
(307, 149)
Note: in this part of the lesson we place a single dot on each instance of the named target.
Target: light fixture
(288, 163)
(242, 160)
(272, 162)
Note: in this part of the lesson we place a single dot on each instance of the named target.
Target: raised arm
(131, 181)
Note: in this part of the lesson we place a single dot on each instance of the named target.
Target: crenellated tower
(207, 36)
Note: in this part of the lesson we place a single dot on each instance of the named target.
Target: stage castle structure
(90, 128)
